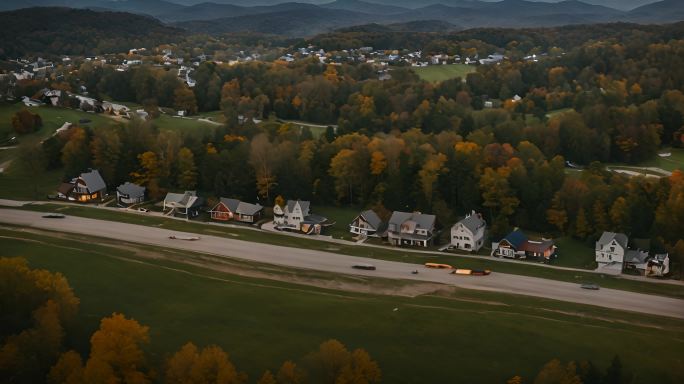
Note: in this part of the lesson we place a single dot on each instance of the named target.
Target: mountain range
(304, 18)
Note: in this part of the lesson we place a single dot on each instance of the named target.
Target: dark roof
(538, 246)
(93, 180)
(372, 218)
(636, 256)
(472, 222)
(65, 188)
(248, 209)
(314, 219)
(302, 203)
(516, 238)
(607, 237)
(422, 221)
(231, 204)
(131, 190)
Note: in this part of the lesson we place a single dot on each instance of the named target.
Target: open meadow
(437, 73)
(447, 335)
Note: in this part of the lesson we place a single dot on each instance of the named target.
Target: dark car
(367, 267)
(591, 286)
(54, 216)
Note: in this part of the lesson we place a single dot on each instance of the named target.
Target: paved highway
(331, 262)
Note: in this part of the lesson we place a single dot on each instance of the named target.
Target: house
(516, 245)
(658, 266)
(87, 187)
(468, 233)
(128, 194)
(295, 216)
(415, 228)
(636, 261)
(182, 204)
(610, 252)
(368, 223)
(232, 209)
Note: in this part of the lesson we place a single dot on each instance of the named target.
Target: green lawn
(341, 216)
(462, 336)
(670, 163)
(395, 254)
(574, 253)
(167, 122)
(437, 73)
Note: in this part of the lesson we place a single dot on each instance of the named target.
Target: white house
(468, 234)
(368, 223)
(295, 216)
(610, 252)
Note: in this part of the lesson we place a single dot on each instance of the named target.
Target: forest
(406, 144)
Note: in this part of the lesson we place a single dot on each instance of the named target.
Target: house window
(467, 245)
(612, 249)
(610, 257)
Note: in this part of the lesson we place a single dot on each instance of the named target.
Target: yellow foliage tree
(211, 365)
(289, 373)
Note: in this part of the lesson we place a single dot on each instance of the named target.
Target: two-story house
(369, 224)
(87, 187)
(295, 216)
(415, 228)
(468, 233)
(610, 252)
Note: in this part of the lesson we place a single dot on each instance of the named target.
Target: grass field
(455, 336)
(437, 73)
(670, 163)
(395, 254)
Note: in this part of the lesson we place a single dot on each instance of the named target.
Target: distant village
(614, 253)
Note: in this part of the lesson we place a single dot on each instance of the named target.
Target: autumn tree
(76, 152)
(148, 174)
(210, 365)
(336, 365)
(267, 378)
(187, 171)
(184, 100)
(25, 122)
(554, 372)
(106, 149)
(37, 305)
(289, 373)
(263, 159)
(582, 225)
(116, 352)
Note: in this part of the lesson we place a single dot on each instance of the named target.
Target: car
(54, 216)
(367, 267)
(143, 210)
(181, 237)
(591, 286)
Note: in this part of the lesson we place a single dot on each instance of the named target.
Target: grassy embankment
(464, 336)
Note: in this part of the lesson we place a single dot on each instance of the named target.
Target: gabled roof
(93, 180)
(182, 200)
(636, 256)
(607, 237)
(130, 189)
(422, 221)
(302, 203)
(537, 246)
(248, 209)
(516, 238)
(231, 204)
(372, 218)
(65, 188)
(472, 222)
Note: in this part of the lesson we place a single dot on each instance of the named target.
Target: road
(331, 262)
